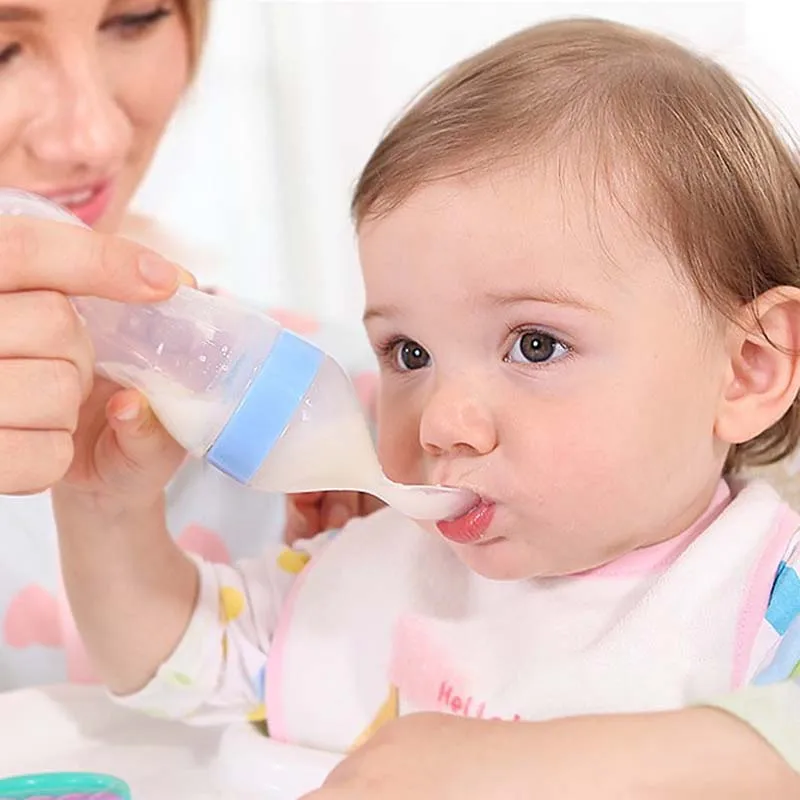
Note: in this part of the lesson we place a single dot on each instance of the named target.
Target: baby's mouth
(471, 526)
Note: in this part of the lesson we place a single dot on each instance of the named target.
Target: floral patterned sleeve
(217, 671)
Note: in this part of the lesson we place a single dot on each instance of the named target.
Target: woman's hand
(315, 512)
(696, 754)
(53, 420)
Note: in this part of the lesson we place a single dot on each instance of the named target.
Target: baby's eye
(408, 355)
(535, 347)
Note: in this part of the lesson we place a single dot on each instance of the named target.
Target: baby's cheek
(398, 446)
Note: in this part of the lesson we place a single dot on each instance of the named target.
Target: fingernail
(186, 278)
(157, 272)
(339, 516)
(129, 411)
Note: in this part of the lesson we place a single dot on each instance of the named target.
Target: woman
(88, 87)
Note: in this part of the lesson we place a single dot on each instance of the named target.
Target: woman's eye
(131, 24)
(9, 53)
(409, 355)
(535, 347)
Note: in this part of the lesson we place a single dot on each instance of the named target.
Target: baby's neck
(659, 556)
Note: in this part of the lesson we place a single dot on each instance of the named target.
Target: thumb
(146, 455)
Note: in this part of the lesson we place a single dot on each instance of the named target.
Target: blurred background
(257, 169)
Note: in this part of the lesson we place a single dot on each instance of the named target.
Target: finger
(38, 324)
(311, 523)
(338, 508)
(307, 499)
(44, 325)
(40, 394)
(31, 461)
(297, 525)
(369, 504)
(39, 254)
(302, 516)
(327, 792)
(145, 448)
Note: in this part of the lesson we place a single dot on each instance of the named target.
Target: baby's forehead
(542, 206)
(537, 230)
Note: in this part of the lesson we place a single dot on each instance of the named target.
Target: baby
(580, 250)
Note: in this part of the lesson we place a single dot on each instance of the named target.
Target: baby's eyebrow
(557, 297)
(16, 12)
(379, 312)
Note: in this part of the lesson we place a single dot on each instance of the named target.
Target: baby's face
(538, 350)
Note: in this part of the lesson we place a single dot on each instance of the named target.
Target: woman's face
(86, 89)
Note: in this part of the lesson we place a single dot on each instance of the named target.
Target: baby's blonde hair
(716, 186)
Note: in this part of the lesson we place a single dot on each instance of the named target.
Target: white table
(78, 728)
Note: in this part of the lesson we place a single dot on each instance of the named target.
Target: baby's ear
(764, 371)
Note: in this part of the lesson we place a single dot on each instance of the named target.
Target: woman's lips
(471, 526)
(88, 204)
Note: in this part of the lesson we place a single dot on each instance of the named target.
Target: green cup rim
(20, 787)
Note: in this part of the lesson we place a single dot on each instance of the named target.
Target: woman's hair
(196, 14)
(710, 179)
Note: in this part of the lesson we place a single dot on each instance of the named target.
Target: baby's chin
(505, 558)
(502, 559)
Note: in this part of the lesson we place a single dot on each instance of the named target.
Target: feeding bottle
(234, 387)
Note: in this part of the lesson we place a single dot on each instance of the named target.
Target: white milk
(326, 445)
(194, 421)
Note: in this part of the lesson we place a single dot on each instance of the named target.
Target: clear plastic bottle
(234, 387)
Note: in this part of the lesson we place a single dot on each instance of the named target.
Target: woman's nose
(457, 419)
(80, 126)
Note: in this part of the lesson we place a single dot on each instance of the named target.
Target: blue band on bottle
(267, 407)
